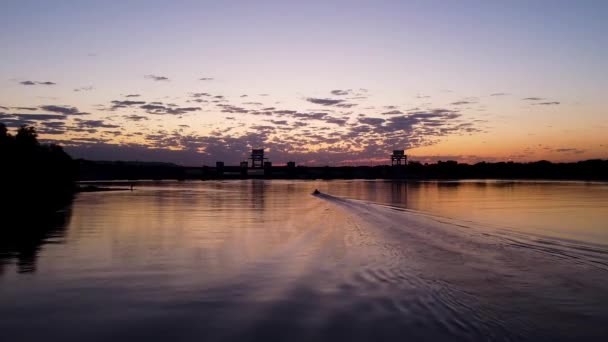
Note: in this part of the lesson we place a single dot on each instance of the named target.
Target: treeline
(583, 170)
(34, 175)
(596, 169)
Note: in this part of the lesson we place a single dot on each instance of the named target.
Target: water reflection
(24, 235)
(399, 193)
(256, 191)
(265, 260)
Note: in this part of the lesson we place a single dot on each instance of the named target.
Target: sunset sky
(316, 82)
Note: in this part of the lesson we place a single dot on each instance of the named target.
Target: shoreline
(93, 188)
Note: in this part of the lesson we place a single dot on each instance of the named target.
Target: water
(266, 260)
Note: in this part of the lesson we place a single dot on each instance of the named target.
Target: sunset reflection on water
(254, 259)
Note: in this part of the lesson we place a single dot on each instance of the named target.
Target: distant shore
(94, 188)
(596, 169)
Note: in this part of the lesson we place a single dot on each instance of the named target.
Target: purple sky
(317, 82)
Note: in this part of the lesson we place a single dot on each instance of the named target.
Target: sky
(315, 82)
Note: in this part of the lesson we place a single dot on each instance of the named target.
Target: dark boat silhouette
(316, 192)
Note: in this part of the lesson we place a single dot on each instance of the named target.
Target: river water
(268, 261)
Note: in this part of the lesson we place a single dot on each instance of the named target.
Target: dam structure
(260, 166)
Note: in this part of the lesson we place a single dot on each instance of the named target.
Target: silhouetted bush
(34, 176)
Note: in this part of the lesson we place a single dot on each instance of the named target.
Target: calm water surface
(267, 261)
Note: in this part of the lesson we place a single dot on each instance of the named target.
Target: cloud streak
(32, 83)
(156, 78)
(88, 88)
(324, 102)
(65, 110)
(117, 104)
(158, 108)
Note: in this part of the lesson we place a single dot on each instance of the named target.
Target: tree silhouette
(3, 132)
(35, 176)
(27, 136)
(37, 180)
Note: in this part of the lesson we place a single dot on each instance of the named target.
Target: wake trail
(359, 271)
(569, 251)
(500, 280)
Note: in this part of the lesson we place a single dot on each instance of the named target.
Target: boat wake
(359, 271)
(471, 281)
